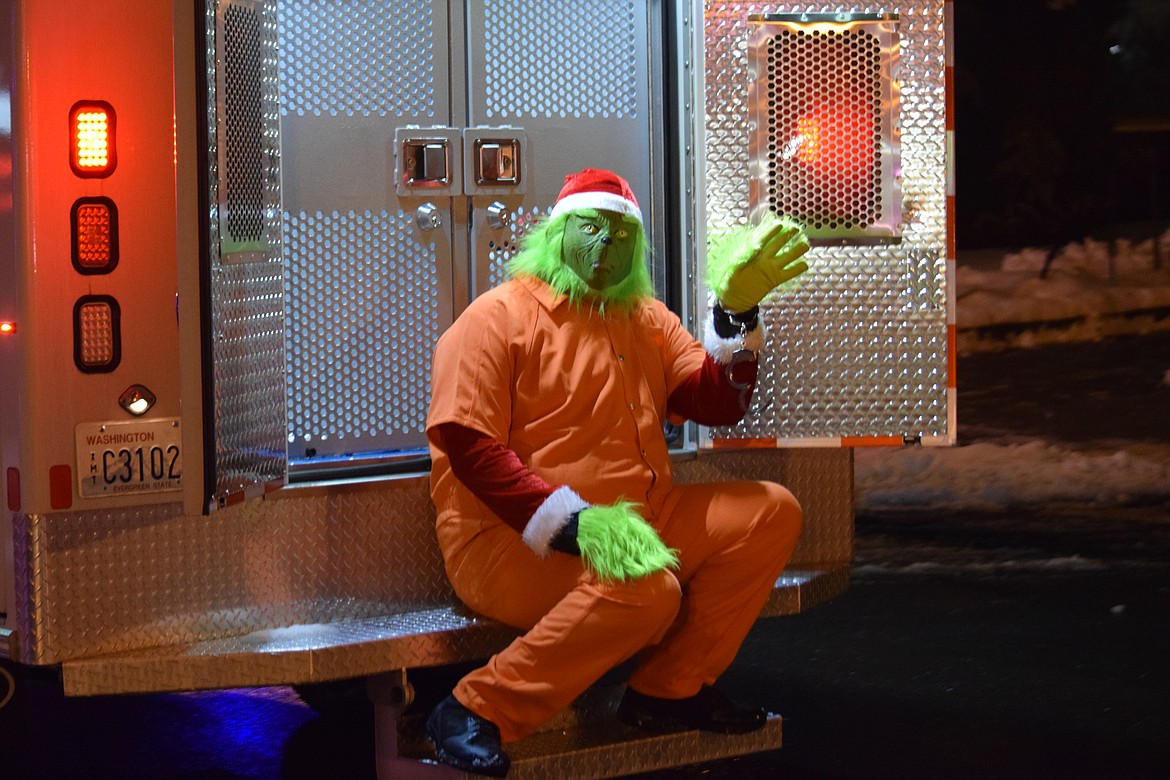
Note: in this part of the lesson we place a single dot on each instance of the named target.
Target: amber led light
(97, 338)
(92, 139)
(94, 235)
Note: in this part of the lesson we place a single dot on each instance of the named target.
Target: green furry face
(543, 256)
(599, 247)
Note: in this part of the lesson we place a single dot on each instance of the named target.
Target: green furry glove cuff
(617, 544)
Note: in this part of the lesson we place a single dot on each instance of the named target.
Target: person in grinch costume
(551, 477)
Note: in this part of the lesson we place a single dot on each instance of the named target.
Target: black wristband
(566, 539)
(729, 325)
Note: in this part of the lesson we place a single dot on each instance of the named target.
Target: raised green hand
(747, 263)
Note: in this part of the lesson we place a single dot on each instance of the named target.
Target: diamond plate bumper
(356, 648)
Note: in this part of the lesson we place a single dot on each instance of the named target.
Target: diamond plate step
(424, 636)
(586, 741)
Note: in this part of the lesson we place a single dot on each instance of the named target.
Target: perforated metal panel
(826, 105)
(858, 345)
(577, 77)
(246, 279)
(360, 330)
(369, 287)
(501, 249)
(578, 59)
(248, 155)
(338, 59)
(367, 292)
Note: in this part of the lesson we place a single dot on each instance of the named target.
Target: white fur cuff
(550, 517)
(722, 349)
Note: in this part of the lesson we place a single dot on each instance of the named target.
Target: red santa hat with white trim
(594, 188)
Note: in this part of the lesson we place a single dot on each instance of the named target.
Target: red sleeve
(708, 398)
(494, 474)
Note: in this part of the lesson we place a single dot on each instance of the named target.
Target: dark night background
(1062, 120)
(1062, 112)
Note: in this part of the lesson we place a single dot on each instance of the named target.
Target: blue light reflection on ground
(241, 734)
(244, 730)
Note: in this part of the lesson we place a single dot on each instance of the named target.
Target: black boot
(707, 710)
(465, 740)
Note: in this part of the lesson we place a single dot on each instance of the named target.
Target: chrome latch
(497, 161)
(426, 162)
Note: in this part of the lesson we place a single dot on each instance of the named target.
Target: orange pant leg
(577, 628)
(734, 539)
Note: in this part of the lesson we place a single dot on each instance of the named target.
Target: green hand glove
(617, 544)
(747, 263)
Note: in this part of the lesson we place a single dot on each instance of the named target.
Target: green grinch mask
(598, 246)
(562, 250)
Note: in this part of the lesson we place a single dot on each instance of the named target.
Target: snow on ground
(987, 476)
(1090, 290)
(1087, 290)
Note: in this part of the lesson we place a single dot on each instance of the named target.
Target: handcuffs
(741, 355)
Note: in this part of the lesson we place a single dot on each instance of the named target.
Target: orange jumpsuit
(580, 397)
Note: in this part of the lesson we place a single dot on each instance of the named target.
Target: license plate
(143, 456)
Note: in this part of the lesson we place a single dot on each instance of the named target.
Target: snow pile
(992, 477)
(1087, 290)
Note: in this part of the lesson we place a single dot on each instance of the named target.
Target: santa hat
(597, 189)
